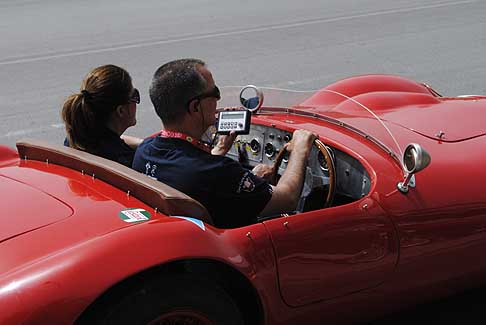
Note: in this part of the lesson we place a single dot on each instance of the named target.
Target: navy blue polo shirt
(111, 146)
(233, 195)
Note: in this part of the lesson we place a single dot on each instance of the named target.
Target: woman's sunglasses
(134, 97)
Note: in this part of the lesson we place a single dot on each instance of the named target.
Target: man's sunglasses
(213, 93)
(134, 97)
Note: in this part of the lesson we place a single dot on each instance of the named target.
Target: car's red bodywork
(63, 244)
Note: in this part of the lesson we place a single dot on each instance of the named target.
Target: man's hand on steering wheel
(301, 145)
(302, 141)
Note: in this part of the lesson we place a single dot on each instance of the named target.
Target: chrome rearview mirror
(251, 98)
(415, 158)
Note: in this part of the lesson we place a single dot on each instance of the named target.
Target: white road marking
(24, 132)
(20, 132)
(230, 33)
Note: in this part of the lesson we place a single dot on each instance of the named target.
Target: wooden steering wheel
(330, 165)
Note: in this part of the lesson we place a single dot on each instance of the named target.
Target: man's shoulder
(146, 142)
(151, 145)
(168, 149)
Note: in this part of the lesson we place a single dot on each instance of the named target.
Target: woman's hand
(131, 141)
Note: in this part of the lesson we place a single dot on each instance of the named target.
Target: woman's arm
(131, 141)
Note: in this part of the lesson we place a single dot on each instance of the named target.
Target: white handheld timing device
(238, 121)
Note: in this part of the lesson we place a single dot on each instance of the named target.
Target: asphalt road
(466, 308)
(47, 46)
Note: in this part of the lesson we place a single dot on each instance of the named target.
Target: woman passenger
(96, 117)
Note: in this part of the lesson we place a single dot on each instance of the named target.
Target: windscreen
(329, 105)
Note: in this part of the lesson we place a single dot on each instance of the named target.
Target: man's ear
(120, 110)
(194, 106)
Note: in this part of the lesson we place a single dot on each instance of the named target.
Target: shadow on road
(466, 308)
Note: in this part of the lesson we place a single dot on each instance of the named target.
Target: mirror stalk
(415, 158)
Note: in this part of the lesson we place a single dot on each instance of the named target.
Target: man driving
(184, 95)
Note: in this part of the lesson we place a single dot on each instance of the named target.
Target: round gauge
(269, 150)
(285, 158)
(255, 146)
(322, 162)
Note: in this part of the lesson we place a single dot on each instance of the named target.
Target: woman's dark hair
(85, 114)
(173, 85)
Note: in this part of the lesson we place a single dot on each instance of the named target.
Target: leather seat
(164, 198)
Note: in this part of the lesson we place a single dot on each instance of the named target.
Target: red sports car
(392, 213)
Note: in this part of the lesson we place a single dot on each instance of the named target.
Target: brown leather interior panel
(152, 192)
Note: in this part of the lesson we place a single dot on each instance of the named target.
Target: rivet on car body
(365, 206)
(248, 234)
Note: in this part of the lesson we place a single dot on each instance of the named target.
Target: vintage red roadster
(392, 214)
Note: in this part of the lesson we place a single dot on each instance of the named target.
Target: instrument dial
(322, 162)
(285, 158)
(269, 150)
(255, 146)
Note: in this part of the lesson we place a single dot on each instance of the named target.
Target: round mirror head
(251, 98)
(415, 158)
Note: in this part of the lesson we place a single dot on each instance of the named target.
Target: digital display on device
(233, 116)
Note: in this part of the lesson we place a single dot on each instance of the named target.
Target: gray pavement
(48, 46)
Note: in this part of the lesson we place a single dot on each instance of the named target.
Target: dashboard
(260, 146)
(263, 143)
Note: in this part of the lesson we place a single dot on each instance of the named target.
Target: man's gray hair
(173, 85)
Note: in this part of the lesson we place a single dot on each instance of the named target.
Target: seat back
(150, 191)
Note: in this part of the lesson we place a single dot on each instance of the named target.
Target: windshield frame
(295, 106)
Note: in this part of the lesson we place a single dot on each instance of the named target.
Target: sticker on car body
(134, 215)
(197, 222)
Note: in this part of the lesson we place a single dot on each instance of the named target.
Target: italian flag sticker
(134, 215)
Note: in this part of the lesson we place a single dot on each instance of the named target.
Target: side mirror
(415, 158)
(251, 98)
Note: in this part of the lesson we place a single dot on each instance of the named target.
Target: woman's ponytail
(80, 121)
(86, 113)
